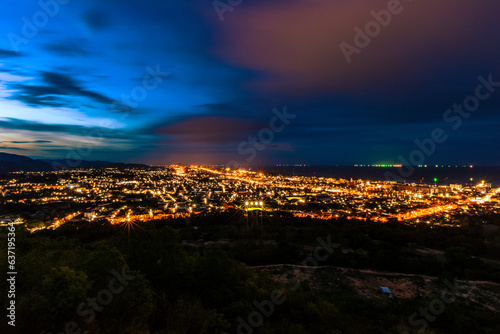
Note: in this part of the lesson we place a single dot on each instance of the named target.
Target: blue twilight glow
(69, 68)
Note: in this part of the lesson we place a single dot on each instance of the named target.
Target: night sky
(171, 82)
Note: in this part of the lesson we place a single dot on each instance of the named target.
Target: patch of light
(4, 76)
(65, 116)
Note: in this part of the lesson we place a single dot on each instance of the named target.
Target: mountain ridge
(16, 163)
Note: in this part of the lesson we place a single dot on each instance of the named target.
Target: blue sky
(220, 80)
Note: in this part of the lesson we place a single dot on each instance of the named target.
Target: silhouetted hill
(125, 165)
(14, 163)
(81, 164)
(93, 164)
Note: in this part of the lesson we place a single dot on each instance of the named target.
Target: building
(385, 290)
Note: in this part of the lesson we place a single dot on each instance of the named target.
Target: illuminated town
(250, 167)
(47, 200)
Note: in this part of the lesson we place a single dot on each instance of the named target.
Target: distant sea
(424, 175)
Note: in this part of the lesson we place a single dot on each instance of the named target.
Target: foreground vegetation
(196, 276)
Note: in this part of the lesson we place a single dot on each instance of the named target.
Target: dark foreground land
(273, 274)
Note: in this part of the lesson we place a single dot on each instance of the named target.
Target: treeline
(145, 283)
(467, 252)
(98, 278)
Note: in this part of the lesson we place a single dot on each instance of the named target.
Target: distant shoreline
(445, 175)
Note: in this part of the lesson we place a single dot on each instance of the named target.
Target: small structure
(385, 290)
(254, 205)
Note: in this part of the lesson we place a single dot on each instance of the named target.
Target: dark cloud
(209, 129)
(95, 19)
(8, 53)
(28, 142)
(37, 96)
(67, 48)
(296, 47)
(19, 124)
(57, 85)
(94, 133)
(68, 86)
(238, 108)
(12, 148)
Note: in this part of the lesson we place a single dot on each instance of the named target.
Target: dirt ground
(367, 283)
